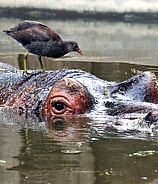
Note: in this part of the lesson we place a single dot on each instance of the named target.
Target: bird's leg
(25, 58)
(42, 66)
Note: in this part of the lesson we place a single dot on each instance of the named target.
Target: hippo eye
(59, 107)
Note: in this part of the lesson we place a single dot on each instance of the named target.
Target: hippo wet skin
(75, 92)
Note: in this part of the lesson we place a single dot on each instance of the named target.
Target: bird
(39, 39)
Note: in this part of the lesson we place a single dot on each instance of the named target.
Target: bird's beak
(79, 51)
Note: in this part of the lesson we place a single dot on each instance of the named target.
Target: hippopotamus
(75, 92)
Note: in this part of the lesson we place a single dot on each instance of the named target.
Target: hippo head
(67, 97)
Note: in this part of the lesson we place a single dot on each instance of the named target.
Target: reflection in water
(56, 153)
(68, 129)
(66, 150)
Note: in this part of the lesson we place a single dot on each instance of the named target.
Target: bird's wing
(30, 31)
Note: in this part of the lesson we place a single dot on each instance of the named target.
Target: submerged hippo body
(74, 92)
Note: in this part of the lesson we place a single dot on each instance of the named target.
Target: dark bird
(41, 40)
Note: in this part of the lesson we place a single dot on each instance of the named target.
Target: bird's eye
(59, 107)
(75, 46)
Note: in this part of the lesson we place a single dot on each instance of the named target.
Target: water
(82, 149)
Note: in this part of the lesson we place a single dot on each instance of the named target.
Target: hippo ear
(142, 87)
